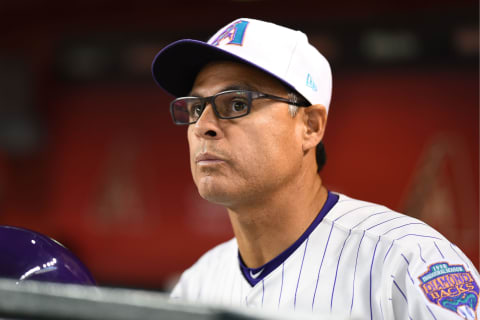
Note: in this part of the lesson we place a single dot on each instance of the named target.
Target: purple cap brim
(176, 66)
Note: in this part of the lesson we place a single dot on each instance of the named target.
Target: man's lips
(208, 158)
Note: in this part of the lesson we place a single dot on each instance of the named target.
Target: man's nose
(208, 125)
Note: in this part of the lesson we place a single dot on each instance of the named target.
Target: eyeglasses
(229, 104)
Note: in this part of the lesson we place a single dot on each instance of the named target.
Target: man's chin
(215, 194)
(216, 197)
(218, 190)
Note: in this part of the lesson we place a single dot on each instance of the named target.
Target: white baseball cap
(281, 52)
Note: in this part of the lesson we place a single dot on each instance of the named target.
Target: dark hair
(321, 156)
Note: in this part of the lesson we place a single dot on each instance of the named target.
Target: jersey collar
(255, 275)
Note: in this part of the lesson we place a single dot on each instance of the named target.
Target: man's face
(244, 161)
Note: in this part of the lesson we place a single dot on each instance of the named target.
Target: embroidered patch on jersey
(451, 287)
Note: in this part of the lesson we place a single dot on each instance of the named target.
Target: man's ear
(315, 120)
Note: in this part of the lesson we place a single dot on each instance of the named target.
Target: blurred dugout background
(89, 155)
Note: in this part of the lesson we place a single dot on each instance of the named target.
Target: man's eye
(196, 110)
(238, 106)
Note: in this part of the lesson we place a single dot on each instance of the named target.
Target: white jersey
(357, 259)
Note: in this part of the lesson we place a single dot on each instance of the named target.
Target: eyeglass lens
(227, 104)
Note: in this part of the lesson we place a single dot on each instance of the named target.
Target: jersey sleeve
(432, 279)
(178, 292)
(195, 282)
(186, 289)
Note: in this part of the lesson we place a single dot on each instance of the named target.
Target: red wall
(115, 184)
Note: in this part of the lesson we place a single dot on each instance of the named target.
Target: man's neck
(265, 230)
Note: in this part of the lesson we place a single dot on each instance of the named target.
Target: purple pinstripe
(343, 215)
(281, 286)
(369, 218)
(418, 235)
(408, 264)
(299, 274)
(403, 294)
(438, 249)
(408, 272)
(371, 268)
(321, 263)
(388, 251)
(263, 290)
(420, 248)
(431, 312)
(376, 225)
(336, 271)
(404, 225)
(355, 271)
(396, 285)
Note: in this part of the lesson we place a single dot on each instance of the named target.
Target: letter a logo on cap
(233, 32)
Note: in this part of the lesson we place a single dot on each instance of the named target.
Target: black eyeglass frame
(252, 95)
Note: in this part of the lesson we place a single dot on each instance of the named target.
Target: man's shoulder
(395, 235)
(205, 270)
(227, 250)
(377, 220)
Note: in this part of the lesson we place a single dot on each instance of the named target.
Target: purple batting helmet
(29, 255)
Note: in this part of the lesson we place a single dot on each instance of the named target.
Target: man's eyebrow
(239, 86)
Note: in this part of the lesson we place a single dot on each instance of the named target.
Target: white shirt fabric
(362, 260)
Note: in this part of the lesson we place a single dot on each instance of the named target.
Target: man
(255, 98)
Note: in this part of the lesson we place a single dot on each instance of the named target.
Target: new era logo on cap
(310, 83)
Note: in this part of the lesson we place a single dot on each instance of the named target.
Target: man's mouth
(206, 158)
